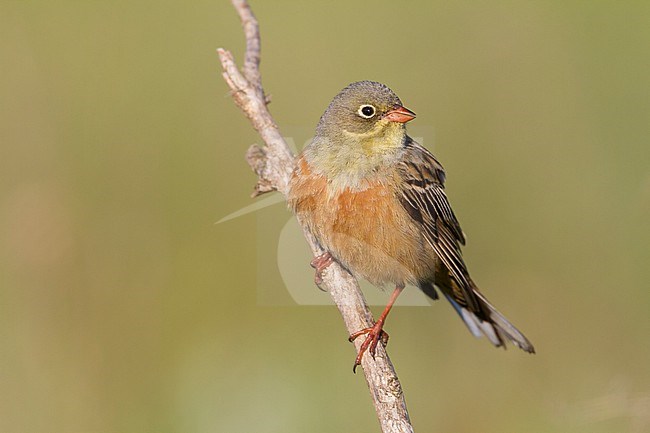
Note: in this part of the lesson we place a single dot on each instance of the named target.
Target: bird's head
(368, 112)
(362, 130)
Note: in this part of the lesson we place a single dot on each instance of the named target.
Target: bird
(375, 201)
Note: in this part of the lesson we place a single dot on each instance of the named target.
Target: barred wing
(423, 197)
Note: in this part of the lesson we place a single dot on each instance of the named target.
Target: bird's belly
(369, 233)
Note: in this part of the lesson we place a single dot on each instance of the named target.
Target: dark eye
(366, 111)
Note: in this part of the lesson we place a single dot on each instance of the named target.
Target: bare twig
(273, 164)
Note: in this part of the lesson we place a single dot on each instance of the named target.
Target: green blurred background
(125, 308)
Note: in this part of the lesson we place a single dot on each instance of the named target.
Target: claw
(374, 335)
(320, 263)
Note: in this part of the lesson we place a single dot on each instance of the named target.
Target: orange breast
(368, 231)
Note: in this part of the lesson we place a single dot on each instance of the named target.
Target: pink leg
(375, 333)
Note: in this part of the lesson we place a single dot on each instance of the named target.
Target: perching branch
(273, 164)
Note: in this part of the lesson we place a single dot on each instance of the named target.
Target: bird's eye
(366, 111)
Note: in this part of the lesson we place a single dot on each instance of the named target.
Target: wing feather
(424, 198)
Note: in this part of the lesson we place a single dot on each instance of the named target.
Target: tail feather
(504, 326)
(489, 322)
(476, 326)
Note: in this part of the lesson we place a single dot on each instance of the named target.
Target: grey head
(360, 107)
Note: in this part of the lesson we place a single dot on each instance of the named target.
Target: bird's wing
(423, 196)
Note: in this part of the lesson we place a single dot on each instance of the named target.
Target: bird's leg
(320, 263)
(375, 333)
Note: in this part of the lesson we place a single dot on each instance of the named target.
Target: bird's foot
(374, 335)
(320, 263)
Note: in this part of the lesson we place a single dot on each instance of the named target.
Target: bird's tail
(488, 321)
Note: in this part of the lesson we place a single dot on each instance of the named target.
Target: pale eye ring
(366, 111)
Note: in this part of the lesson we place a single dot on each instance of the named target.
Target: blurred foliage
(124, 308)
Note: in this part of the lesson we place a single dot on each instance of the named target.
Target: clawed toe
(320, 263)
(374, 335)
